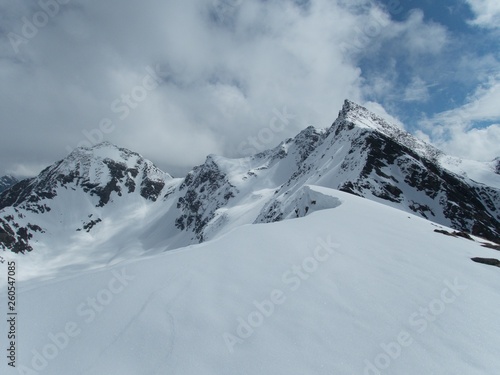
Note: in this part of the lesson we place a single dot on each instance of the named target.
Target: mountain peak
(364, 118)
(103, 144)
(99, 170)
(355, 116)
(103, 150)
(349, 105)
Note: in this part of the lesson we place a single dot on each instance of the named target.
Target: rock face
(205, 190)
(360, 153)
(6, 182)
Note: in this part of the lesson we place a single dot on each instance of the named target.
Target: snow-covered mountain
(364, 155)
(7, 181)
(114, 198)
(87, 188)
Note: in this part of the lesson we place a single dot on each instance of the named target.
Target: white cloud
(403, 49)
(412, 39)
(418, 37)
(485, 104)
(475, 144)
(487, 13)
(482, 105)
(417, 91)
(457, 131)
(424, 37)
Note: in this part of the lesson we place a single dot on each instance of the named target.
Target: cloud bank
(177, 80)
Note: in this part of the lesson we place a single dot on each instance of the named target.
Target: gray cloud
(227, 66)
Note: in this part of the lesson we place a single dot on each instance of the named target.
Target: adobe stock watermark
(87, 311)
(364, 36)
(292, 279)
(123, 106)
(265, 136)
(32, 25)
(419, 322)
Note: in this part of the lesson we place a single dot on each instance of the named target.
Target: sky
(178, 80)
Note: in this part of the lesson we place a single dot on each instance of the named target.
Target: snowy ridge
(379, 273)
(303, 202)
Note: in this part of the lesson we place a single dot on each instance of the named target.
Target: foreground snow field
(360, 288)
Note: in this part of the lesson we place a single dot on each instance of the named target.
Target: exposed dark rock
(454, 234)
(16, 241)
(463, 235)
(151, 189)
(88, 226)
(206, 190)
(17, 194)
(488, 261)
(491, 246)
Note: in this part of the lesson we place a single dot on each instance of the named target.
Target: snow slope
(345, 282)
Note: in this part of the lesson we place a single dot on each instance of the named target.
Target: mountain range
(7, 181)
(107, 197)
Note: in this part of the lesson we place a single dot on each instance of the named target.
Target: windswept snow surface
(360, 288)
